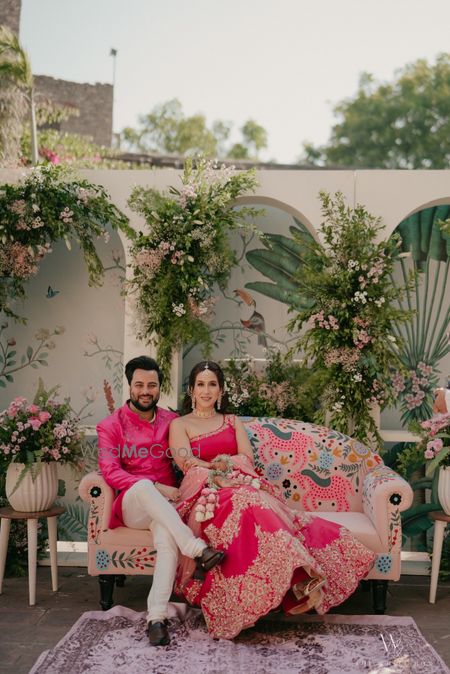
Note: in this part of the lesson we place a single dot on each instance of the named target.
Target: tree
(16, 97)
(401, 124)
(166, 130)
(254, 139)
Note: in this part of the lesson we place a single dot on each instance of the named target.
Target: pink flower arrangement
(45, 430)
(435, 438)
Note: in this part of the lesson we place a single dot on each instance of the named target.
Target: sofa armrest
(385, 495)
(94, 490)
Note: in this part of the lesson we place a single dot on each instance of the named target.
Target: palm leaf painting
(279, 261)
(425, 336)
(72, 524)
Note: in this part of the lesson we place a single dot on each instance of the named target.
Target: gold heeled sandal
(306, 587)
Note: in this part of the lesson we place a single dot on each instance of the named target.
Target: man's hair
(142, 363)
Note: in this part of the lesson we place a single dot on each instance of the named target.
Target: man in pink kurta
(135, 459)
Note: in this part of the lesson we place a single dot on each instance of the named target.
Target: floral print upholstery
(316, 469)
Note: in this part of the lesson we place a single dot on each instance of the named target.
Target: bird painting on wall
(256, 321)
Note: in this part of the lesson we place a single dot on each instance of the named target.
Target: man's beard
(144, 408)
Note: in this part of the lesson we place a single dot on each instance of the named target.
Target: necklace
(204, 415)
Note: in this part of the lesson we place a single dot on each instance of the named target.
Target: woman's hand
(192, 462)
(220, 465)
(170, 493)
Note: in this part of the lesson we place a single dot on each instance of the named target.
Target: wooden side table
(440, 522)
(8, 514)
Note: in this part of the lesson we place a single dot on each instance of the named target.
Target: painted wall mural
(74, 336)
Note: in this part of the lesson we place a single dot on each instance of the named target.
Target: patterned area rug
(114, 641)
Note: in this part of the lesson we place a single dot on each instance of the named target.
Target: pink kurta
(268, 546)
(131, 449)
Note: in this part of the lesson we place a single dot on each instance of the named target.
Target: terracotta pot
(32, 495)
(444, 489)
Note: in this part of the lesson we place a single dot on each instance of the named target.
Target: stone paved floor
(26, 631)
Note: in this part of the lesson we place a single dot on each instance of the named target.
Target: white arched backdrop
(99, 331)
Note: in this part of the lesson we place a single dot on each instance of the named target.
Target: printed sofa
(317, 469)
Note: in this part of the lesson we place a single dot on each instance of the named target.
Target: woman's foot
(306, 587)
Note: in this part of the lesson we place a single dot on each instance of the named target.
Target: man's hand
(170, 493)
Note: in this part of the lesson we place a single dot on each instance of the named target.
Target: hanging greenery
(50, 203)
(184, 253)
(349, 327)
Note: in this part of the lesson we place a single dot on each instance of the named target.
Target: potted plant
(437, 449)
(34, 438)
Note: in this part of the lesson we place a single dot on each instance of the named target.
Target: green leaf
(29, 352)
(9, 377)
(2, 383)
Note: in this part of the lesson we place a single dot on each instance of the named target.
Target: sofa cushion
(359, 525)
(315, 467)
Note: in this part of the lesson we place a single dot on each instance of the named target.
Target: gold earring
(219, 401)
(192, 400)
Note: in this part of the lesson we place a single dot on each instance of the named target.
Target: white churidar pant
(144, 507)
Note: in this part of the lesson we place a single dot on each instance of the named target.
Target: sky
(283, 63)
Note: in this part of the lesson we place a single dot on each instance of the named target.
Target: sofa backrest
(315, 467)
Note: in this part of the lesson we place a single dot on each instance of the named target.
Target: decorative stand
(8, 514)
(440, 522)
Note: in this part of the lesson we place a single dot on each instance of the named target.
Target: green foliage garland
(184, 253)
(49, 204)
(349, 326)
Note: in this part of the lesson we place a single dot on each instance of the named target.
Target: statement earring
(192, 400)
(219, 401)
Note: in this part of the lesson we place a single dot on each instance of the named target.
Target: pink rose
(33, 409)
(435, 445)
(429, 454)
(35, 423)
(44, 416)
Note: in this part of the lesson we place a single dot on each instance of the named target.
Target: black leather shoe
(209, 558)
(158, 634)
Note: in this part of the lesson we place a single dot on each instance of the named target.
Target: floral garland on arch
(185, 253)
(349, 327)
(50, 203)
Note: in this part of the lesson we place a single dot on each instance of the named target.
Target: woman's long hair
(196, 370)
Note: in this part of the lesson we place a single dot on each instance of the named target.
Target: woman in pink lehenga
(274, 556)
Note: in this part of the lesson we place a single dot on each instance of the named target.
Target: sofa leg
(364, 585)
(120, 580)
(379, 592)
(106, 583)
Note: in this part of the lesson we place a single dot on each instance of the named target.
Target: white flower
(357, 376)
(178, 309)
(380, 301)
(360, 296)
(337, 407)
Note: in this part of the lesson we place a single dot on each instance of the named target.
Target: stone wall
(10, 14)
(94, 102)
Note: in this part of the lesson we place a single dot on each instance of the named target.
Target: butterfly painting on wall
(51, 293)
